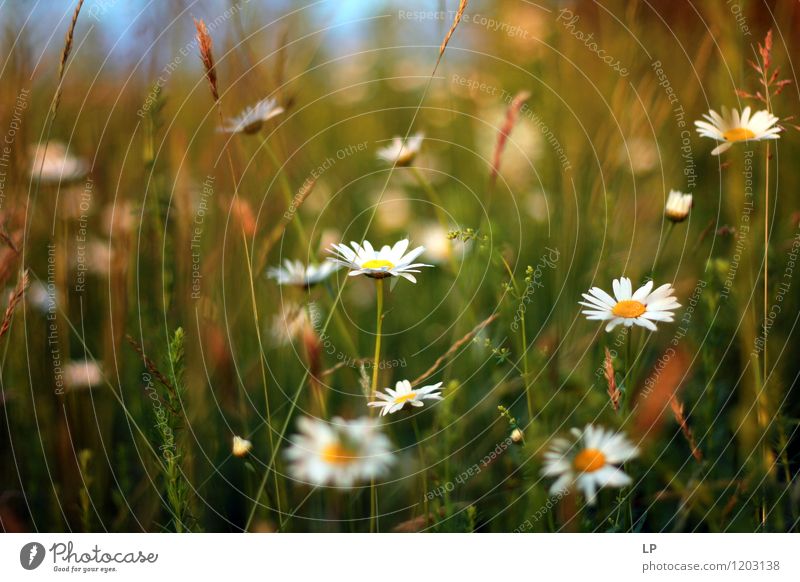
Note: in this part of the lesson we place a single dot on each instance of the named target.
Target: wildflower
(241, 447)
(517, 435)
(342, 453)
(82, 374)
(640, 308)
(53, 164)
(638, 155)
(393, 400)
(252, 119)
(402, 152)
(678, 206)
(730, 127)
(388, 262)
(589, 462)
(295, 273)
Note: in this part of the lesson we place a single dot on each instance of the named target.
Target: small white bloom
(730, 127)
(400, 153)
(589, 462)
(342, 453)
(80, 374)
(678, 206)
(53, 164)
(241, 447)
(252, 119)
(388, 262)
(393, 400)
(638, 155)
(641, 308)
(295, 273)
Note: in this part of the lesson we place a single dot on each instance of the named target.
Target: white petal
(610, 476)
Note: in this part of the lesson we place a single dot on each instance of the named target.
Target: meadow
(399, 266)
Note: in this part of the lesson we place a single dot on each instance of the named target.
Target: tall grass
(544, 172)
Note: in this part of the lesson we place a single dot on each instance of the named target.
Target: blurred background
(126, 222)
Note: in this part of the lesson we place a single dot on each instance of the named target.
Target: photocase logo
(31, 555)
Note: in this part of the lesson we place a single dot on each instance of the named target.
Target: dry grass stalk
(68, 39)
(512, 114)
(13, 299)
(613, 392)
(461, 7)
(6, 238)
(454, 348)
(205, 45)
(355, 363)
(680, 418)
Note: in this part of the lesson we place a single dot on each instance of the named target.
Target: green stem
(670, 228)
(373, 507)
(528, 389)
(287, 420)
(373, 493)
(288, 194)
(424, 463)
(378, 328)
(519, 296)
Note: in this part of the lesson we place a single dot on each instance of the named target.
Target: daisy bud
(678, 206)
(241, 447)
(517, 436)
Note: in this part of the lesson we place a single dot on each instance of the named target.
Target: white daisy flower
(399, 153)
(388, 262)
(241, 447)
(252, 119)
(730, 127)
(52, 163)
(300, 275)
(394, 400)
(341, 453)
(588, 462)
(678, 206)
(642, 308)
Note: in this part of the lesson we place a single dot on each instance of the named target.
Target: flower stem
(766, 256)
(420, 447)
(762, 413)
(525, 371)
(670, 228)
(373, 493)
(373, 507)
(287, 190)
(628, 370)
(378, 328)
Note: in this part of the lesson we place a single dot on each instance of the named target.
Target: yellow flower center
(405, 397)
(738, 134)
(377, 264)
(629, 309)
(336, 454)
(406, 157)
(589, 461)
